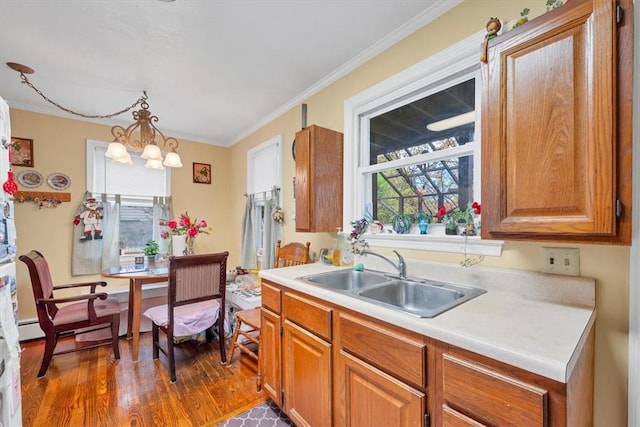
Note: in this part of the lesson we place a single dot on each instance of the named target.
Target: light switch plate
(561, 261)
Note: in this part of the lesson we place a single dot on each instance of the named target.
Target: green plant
(151, 248)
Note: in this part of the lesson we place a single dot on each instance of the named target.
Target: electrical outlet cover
(561, 261)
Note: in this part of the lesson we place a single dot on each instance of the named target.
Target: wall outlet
(561, 261)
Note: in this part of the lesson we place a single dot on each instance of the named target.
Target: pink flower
(184, 226)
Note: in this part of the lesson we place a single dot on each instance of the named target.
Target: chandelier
(142, 135)
(145, 142)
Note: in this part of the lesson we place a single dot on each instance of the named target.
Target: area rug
(266, 414)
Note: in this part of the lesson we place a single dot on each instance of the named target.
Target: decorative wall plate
(58, 181)
(30, 178)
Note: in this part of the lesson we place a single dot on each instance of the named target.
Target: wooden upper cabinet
(553, 144)
(318, 187)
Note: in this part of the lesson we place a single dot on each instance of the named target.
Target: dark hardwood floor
(91, 388)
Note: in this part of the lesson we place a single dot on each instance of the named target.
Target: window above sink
(394, 164)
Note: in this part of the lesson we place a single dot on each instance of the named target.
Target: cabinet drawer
(271, 297)
(491, 396)
(453, 418)
(393, 352)
(310, 315)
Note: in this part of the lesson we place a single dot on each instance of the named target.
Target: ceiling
(214, 71)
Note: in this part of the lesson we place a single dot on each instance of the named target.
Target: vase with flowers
(183, 231)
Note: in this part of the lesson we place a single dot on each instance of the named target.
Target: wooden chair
(291, 254)
(247, 322)
(84, 313)
(197, 285)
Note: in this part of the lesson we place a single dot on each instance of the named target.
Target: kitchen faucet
(401, 266)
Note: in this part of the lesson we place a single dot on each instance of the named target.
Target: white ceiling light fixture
(452, 122)
(145, 141)
(142, 135)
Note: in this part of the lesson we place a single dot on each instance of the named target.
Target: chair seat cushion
(188, 319)
(77, 311)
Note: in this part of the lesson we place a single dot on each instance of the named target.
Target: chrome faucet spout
(401, 266)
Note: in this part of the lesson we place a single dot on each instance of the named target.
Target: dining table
(138, 275)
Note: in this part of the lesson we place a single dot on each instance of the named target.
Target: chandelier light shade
(142, 135)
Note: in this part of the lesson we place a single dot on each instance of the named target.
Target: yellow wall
(60, 147)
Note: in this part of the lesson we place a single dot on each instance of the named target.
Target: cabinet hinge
(427, 419)
(618, 209)
(282, 398)
(281, 330)
(619, 15)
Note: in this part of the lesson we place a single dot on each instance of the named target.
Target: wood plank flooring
(90, 388)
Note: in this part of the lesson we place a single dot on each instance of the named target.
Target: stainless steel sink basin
(423, 298)
(346, 280)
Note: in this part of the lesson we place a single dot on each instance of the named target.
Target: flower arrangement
(184, 225)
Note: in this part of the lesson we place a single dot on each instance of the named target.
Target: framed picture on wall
(21, 152)
(202, 173)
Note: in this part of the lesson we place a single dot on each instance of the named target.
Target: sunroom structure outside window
(403, 156)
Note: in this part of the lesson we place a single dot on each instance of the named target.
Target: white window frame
(95, 148)
(444, 69)
(264, 171)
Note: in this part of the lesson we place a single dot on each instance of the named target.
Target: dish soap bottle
(336, 249)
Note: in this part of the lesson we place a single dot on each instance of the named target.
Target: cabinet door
(270, 355)
(307, 377)
(548, 126)
(304, 181)
(318, 188)
(373, 398)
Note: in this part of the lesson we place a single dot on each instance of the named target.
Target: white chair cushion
(188, 319)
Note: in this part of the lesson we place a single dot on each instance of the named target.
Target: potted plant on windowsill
(151, 250)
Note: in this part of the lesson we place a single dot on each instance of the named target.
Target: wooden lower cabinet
(271, 355)
(474, 390)
(373, 398)
(336, 367)
(307, 377)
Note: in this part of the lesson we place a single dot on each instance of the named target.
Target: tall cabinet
(318, 185)
(556, 140)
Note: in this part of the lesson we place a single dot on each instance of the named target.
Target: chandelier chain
(141, 100)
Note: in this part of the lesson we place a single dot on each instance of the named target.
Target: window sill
(453, 244)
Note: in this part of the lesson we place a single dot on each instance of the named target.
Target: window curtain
(272, 229)
(111, 226)
(162, 210)
(248, 256)
(88, 255)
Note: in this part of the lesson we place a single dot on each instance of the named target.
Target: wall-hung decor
(58, 181)
(30, 178)
(202, 173)
(22, 152)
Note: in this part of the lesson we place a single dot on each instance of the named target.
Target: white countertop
(537, 322)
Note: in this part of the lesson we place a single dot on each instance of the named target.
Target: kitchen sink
(346, 280)
(423, 298)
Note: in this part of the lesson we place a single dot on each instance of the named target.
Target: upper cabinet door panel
(549, 142)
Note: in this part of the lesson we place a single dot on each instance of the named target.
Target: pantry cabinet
(318, 180)
(556, 133)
